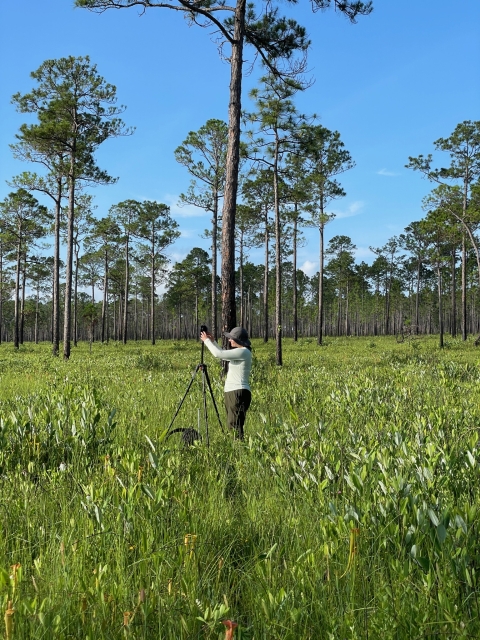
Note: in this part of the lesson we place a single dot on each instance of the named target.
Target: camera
(203, 328)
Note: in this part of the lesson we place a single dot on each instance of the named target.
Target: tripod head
(203, 329)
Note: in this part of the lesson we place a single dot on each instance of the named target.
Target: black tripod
(205, 383)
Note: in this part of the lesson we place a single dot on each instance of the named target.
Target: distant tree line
(394, 294)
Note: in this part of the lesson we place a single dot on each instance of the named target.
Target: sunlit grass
(350, 511)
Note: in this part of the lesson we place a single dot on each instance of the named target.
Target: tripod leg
(182, 400)
(213, 399)
(204, 393)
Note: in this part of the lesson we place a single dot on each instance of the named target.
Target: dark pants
(237, 403)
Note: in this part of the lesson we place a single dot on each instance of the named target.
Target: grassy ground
(350, 511)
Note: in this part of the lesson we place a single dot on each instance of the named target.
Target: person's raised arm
(222, 354)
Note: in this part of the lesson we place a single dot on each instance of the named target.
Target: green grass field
(351, 510)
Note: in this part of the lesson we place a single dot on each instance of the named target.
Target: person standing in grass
(237, 389)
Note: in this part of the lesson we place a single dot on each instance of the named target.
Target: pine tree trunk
(278, 263)
(105, 299)
(1, 289)
(387, 301)
(67, 319)
(152, 295)
(320, 286)
(214, 318)
(453, 327)
(16, 336)
(417, 299)
(295, 293)
(240, 274)
(120, 317)
(440, 306)
(22, 305)
(231, 176)
(92, 317)
(127, 286)
(196, 310)
(464, 289)
(56, 274)
(114, 319)
(37, 313)
(346, 309)
(135, 326)
(75, 300)
(265, 283)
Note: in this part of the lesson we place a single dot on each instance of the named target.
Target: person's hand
(205, 336)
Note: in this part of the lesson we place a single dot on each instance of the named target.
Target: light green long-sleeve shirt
(240, 360)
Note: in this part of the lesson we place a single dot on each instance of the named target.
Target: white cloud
(352, 210)
(395, 228)
(309, 267)
(172, 200)
(140, 197)
(175, 256)
(385, 172)
(187, 233)
(185, 211)
(363, 252)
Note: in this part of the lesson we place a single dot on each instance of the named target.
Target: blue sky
(391, 84)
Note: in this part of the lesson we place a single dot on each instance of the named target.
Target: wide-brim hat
(240, 335)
